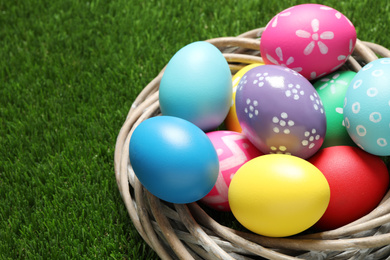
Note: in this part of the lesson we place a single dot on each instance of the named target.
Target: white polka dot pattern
(270, 103)
(366, 114)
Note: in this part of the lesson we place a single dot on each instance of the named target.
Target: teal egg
(197, 86)
(367, 106)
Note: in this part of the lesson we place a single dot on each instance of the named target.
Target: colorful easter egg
(311, 39)
(233, 150)
(173, 159)
(366, 108)
(357, 180)
(278, 195)
(280, 111)
(231, 121)
(197, 86)
(332, 89)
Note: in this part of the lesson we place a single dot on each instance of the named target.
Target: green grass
(69, 71)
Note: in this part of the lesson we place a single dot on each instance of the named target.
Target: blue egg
(367, 107)
(197, 86)
(173, 159)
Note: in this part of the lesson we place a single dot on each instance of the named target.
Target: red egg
(358, 181)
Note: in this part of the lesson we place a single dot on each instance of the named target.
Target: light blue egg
(367, 107)
(197, 86)
(173, 159)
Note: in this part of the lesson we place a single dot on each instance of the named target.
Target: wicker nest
(189, 232)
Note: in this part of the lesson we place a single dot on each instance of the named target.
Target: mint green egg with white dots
(331, 89)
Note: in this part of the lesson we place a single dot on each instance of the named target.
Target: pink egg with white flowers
(233, 150)
(311, 39)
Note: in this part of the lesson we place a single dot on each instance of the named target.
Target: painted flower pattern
(316, 38)
(275, 22)
(281, 62)
(332, 81)
(337, 14)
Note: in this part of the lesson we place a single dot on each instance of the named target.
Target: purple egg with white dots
(280, 111)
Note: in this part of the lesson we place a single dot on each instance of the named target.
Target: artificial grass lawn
(69, 71)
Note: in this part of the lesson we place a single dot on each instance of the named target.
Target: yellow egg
(231, 121)
(278, 195)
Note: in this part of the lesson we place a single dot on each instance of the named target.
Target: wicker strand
(224, 232)
(203, 254)
(242, 58)
(166, 228)
(225, 245)
(252, 44)
(134, 114)
(150, 88)
(146, 223)
(120, 169)
(364, 51)
(199, 233)
(378, 49)
(353, 64)
(254, 34)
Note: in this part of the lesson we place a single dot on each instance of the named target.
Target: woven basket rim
(186, 231)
